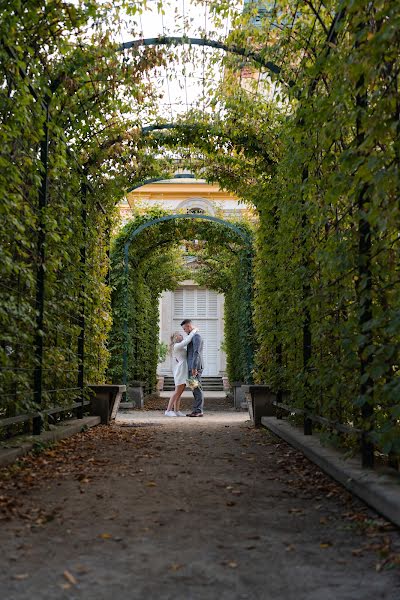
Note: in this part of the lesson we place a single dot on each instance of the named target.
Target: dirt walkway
(187, 509)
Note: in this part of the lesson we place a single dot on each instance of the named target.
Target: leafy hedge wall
(58, 195)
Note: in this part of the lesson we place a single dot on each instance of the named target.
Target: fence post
(40, 274)
(277, 342)
(81, 337)
(247, 273)
(364, 293)
(126, 316)
(307, 341)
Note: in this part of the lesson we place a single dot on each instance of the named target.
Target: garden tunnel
(134, 336)
(303, 125)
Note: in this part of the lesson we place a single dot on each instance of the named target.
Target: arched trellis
(206, 42)
(240, 232)
(146, 182)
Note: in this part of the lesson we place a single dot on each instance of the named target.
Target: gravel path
(186, 509)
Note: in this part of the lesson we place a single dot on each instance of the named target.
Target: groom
(195, 367)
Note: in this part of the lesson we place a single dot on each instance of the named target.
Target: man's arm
(196, 363)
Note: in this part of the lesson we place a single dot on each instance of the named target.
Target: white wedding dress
(179, 358)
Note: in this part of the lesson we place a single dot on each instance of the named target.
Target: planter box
(134, 393)
(105, 401)
(238, 395)
(260, 400)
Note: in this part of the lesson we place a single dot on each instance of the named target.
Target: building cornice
(178, 192)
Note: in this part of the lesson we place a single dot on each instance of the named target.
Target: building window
(196, 211)
(199, 206)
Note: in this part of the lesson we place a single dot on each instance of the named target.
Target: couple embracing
(187, 368)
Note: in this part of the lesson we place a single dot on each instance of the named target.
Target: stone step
(210, 384)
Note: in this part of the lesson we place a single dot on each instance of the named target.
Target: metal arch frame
(245, 237)
(146, 182)
(182, 40)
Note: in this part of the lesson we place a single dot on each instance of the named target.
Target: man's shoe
(193, 414)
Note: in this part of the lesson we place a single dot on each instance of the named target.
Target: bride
(178, 348)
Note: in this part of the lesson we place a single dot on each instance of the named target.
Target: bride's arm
(187, 340)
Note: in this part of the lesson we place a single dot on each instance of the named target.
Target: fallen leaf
(230, 503)
(151, 484)
(176, 566)
(325, 545)
(70, 578)
(106, 536)
(21, 576)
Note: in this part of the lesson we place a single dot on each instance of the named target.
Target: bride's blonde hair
(174, 339)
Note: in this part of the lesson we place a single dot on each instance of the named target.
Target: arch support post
(307, 340)
(126, 316)
(364, 296)
(40, 273)
(82, 322)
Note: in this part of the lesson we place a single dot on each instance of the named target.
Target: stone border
(14, 448)
(380, 490)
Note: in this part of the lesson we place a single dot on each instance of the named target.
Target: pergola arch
(206, 42)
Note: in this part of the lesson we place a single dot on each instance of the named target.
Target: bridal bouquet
(193, 383)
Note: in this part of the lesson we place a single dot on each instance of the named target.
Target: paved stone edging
(380, 491)
(13, 449)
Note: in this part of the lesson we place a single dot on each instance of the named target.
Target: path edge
(65, 430)
(380, 490)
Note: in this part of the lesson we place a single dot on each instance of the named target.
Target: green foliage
(162, 351)
(50, 56)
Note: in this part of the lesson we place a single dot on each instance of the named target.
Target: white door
(200, 305)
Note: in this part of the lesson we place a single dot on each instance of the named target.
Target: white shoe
(170, 413)
(180, 414)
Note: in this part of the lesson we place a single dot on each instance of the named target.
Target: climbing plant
(65, 150)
